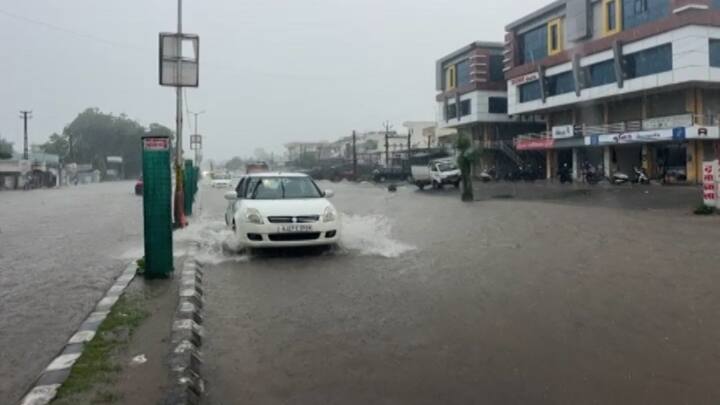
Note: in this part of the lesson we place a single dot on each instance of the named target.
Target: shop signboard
(699, 132)
(525, 79)
(669, 134)
(710, 183)
(563, 132)
(535, 144)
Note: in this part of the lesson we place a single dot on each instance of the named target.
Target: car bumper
(269, 235)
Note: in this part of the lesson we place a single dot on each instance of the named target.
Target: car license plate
(294, 228)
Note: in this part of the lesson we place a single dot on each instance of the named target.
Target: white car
(220, 181)
(282, 210)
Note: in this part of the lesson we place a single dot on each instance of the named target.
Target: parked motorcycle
(641, 176)
(564, 174)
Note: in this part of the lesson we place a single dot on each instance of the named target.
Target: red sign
(534, 144)
(709, 183)
(156, 143)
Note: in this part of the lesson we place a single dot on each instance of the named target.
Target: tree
(6, 149)
(466, 158)
(93, 136)
(235, 164)
(370, 144)
(307, 160)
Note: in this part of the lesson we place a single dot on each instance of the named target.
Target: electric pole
(409, 140)
(25, 115)
(387, 126)
(354, 143)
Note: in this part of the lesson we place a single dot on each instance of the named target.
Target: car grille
(303, 219)
(289, 237)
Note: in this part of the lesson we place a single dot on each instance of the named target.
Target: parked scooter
(641, 176)
(591, 174)
(488, 175)
(619, 178)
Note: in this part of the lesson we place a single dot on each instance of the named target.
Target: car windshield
(446, 167)
(278, 188)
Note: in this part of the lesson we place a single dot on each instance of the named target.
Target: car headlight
(253, 216)
(329, 215)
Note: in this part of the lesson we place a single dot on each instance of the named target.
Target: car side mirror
(231, 195)
(328, 194)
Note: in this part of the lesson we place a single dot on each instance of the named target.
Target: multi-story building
(620, 83)
(472, 99)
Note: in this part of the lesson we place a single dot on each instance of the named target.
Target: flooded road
(430, 300)
(60, 250)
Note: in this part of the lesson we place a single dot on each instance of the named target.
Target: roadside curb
(54, 375)
(187, 336)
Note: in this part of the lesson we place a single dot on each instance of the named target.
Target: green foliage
(307, 160)
(467, 156)
(370, 144)
(96, 365)
(93, 136)
(703, 209)
(6, 149)
(235, 163)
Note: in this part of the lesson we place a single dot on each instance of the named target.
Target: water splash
(217, 243)
(370, 235)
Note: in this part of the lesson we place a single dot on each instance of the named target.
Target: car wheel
(421, 186)
(457, 184)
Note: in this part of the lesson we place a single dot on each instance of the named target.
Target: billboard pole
(179, 192)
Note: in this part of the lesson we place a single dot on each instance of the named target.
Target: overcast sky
(272, 71)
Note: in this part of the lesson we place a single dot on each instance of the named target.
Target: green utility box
(157, 206)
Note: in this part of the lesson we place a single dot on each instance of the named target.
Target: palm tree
(467, 156)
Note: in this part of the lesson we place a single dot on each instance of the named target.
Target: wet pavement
(560, 299)
(60, 250)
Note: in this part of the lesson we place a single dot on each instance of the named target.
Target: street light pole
(196, 114)
(179, 189)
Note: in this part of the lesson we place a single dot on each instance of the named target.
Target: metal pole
(354, 143)
(26, 149)
(179, 191)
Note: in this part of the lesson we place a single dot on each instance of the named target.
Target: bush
(703, 209)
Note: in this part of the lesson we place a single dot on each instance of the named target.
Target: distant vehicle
(257, 167)
(139, 186)
(281, 210)
(383, 174)
(438, 173)
(220, 180)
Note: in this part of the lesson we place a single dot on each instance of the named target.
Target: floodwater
(60, 249)
(430, 300)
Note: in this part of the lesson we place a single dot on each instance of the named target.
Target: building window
(497, 105)
(638, 12)
(715, 52)
(560, 84)
(716, 3)
(534, 45)
(555, 37)
(465, 108)
(611, 17)
(530, 91)
(600, 74)
(648, 62)
(450, 112)
(496, 68)
(462, 70)
(450, 78)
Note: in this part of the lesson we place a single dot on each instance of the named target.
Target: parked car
(139, 186)
(281, 210)
(437, 173)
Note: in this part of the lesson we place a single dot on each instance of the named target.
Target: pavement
(547, 300)
(60, 250)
